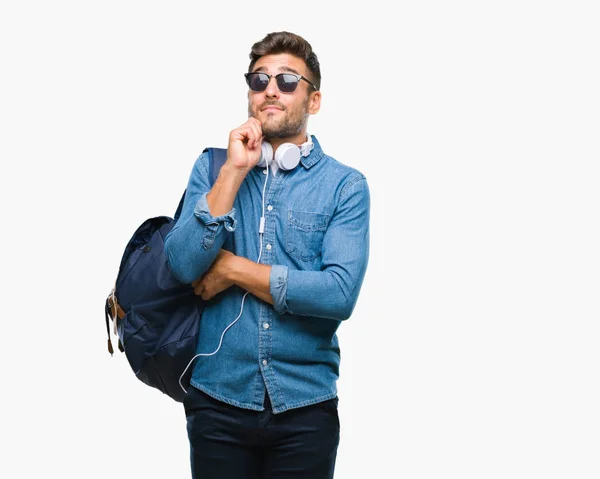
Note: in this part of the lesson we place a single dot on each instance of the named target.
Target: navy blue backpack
(157, 317)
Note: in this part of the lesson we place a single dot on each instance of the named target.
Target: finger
(243, 133)
(199, 288)
(258, 141)
(254, 135)
(255, 122)
(257, 129)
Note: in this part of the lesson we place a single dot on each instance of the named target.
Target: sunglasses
(286, 82)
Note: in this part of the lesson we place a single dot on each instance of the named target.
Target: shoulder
(199, 175)
(201, 163)
(345, 178)
(332, 168)
(201, 168)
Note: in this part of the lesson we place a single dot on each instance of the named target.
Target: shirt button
(266, 325)
(270, 207)
(264, 362)
(268, 246)
(265, 171)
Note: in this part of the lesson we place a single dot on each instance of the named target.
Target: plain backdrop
(473, 349)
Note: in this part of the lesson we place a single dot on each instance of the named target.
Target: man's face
(283, 115)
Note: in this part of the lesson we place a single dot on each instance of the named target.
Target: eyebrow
(281, 69)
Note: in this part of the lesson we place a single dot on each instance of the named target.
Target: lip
(268, 108)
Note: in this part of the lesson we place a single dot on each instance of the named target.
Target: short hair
(286, 42)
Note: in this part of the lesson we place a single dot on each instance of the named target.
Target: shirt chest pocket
(304, 234)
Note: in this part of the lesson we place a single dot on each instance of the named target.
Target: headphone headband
(307, 146)
(287, 155)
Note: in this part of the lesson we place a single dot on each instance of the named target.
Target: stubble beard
(290, 125)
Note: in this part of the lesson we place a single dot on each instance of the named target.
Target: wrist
(233, 268)
(234, 172)
(222, 195)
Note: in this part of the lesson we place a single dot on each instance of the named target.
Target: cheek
(254, 103)
(252, 109)
(299, 109)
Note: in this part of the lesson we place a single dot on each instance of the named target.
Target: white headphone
(287, 155)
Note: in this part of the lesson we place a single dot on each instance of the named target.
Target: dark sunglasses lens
(287, 83)
(257, 81)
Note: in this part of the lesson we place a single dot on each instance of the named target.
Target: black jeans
(227, 442)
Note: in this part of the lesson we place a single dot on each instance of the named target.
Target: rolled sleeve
(213, 224)
(278, 281)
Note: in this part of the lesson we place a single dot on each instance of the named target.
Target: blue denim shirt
(316, 237)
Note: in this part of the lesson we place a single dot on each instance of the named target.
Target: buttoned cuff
(278, 281)
(214, 224)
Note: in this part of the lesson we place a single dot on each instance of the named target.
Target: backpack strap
(216, 159)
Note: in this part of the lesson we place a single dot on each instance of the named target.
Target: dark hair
(286, 42)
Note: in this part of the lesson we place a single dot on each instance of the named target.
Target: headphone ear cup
(287, 156)
(266, 154)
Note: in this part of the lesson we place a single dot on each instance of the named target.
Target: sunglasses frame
(298, 78)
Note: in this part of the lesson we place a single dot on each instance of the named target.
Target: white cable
(219, 347)
(260, 236)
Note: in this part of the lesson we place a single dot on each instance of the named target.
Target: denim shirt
(316, 239)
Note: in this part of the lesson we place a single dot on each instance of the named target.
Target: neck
(298, 139)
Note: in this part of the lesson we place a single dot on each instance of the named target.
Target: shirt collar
(315, 155)
(307, 161)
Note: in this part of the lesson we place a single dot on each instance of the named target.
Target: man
(285, 269)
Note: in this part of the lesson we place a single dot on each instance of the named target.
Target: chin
(270, 128)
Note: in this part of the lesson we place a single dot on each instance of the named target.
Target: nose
(272, 90)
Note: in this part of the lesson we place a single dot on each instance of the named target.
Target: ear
(314, 102)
